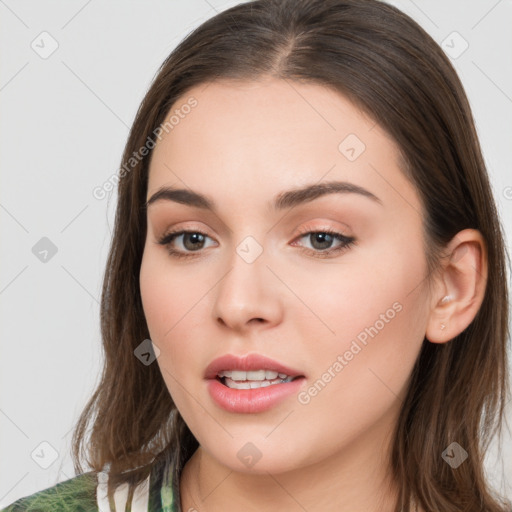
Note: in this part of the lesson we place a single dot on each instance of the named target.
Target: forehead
(270, 117)
(266, 135)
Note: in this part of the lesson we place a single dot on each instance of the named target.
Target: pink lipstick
(250, 384)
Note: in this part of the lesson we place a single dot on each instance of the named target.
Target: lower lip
(251, 400)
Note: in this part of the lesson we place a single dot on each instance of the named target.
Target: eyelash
(346, 242)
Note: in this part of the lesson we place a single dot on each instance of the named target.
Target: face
(327, 283)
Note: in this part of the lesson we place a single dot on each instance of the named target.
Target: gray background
(65, 119)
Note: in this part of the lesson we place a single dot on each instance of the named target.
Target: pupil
(323, 238)
(194, 237)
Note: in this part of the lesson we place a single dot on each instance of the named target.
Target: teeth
(238, 375)
(230, 383)
(255, 375)
(263, 384)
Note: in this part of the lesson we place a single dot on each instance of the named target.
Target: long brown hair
(387, 65)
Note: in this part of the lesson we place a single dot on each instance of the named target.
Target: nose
(248, 296)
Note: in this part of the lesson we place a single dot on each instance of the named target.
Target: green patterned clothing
(87, 493)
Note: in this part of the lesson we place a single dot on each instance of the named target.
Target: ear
(459, 288)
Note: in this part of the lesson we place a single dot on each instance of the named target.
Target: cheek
(166, 294)
(373, 315)
(175, 310)
(358, 379)
(339, 301)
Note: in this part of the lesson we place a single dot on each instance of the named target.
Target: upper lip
(247, 363)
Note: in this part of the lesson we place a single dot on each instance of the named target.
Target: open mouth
(239, 379)
(251, 384)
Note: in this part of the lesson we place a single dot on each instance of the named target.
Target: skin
(243, 144)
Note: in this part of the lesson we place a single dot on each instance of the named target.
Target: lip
(250, 400)
(247, 363)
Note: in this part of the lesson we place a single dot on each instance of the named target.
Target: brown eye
(324, 240)
(321, 242)
(189, 242)
(193, 241)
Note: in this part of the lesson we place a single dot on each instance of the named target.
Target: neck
(353, 479)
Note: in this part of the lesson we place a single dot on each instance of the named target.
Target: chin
(258, 457)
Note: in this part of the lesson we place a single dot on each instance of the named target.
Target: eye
(322, 240)
(192, 241)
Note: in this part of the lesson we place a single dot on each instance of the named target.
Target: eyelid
(308, 228)
(173, 233)
(184, 226)
(339, 235)
(346, 241)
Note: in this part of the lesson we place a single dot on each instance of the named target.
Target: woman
(305, 302)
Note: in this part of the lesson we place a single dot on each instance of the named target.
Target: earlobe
(460, 287)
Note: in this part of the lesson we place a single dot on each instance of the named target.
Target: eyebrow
(283, 200)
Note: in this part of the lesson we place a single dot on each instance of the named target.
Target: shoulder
(87, 492)
(75, 494)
